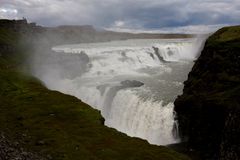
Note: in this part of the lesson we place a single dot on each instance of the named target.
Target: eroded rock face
(209, 109)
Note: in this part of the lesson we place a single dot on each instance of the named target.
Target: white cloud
(8, 13)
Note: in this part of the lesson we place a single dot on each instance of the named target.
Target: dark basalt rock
(131, 83)
(156, 52)
(209, 109)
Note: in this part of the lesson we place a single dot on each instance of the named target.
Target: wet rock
(156, 52)
(131, 83)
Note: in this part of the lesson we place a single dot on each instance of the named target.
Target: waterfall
(133, 83)
(144, 118)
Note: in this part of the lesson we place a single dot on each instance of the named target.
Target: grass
(224, 35)
(57, 125)
(8, 36)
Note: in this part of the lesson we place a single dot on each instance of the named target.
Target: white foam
(144, 118)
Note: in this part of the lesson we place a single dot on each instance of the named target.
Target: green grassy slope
(226, 34)
(51, 123)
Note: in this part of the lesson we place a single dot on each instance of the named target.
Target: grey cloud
(140, 14)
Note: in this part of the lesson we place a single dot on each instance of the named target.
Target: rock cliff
(209, 109)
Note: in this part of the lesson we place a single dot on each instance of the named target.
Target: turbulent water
(133, 83)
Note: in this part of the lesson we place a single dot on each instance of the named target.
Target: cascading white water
(111, 77)
(147, 119)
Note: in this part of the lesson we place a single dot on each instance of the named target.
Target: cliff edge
(209, 109)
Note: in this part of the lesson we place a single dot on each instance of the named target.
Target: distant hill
(66, 34)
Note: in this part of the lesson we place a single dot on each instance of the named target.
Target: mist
(132, 80)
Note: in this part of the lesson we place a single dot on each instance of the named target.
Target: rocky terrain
(209, 109)
(13, 151)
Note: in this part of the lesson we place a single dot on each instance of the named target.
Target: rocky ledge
(209, 108)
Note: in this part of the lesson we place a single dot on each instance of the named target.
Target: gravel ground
(13, 151)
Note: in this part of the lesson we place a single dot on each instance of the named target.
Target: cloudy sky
(128, 15)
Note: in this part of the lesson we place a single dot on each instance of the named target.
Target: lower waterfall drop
(147, 119)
